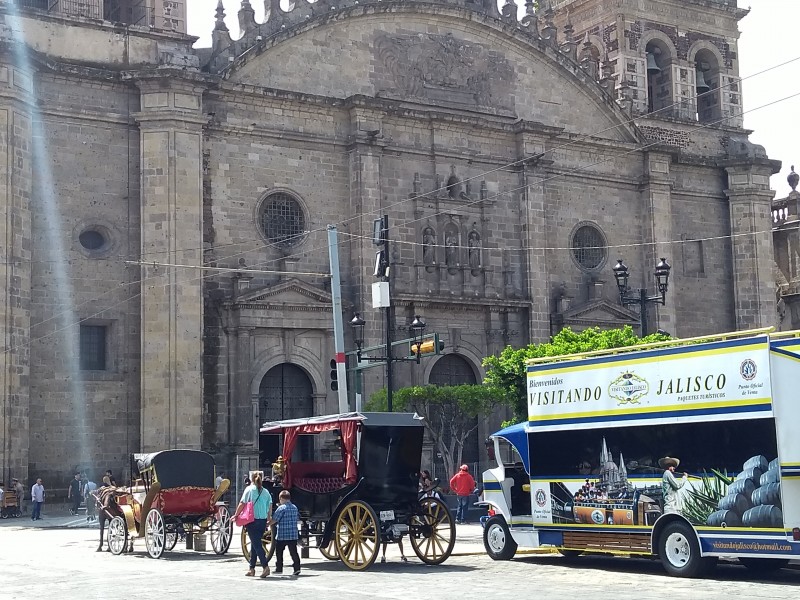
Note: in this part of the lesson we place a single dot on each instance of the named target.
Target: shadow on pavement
(725, 571)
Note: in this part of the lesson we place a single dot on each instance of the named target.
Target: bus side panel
(786, 407)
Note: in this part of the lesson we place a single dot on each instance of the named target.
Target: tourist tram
(366, 495)
(592, 469)
(172, 494)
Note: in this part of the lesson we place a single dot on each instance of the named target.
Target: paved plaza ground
(56, 557)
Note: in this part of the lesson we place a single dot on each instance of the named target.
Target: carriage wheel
(171, 540)
(221, 530)
(329, 551)
(357, 536)
(117, 537)
(155, 536)
(433, 532)
(266, 543)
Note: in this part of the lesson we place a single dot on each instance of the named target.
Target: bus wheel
(680, 552)
(763, 565)
(497, 540)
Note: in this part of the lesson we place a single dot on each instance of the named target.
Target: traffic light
(334, 376)
(431, 346)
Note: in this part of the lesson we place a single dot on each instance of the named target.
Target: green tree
(506, 371)
(450, 413)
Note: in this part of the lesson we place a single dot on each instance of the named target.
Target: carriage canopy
(178, 468)
(346, 423)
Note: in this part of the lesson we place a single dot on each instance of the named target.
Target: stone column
(534, 173)
(658, 234)
(171, 122)
(750, 199)
(15, 268)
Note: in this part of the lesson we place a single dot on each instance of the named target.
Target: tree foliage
(506, 371)
(450, 413)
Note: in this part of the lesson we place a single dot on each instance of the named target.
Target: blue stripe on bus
(747, 408)
(492, 485)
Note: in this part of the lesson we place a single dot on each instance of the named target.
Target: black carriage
(173, 494)
(366, 496)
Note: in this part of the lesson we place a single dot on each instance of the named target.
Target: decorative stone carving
(451, 248)
(474, 243)
(429, 248)
(445, 68)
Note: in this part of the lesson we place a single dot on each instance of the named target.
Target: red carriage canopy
(346, 423)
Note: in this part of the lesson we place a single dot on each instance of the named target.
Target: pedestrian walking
(37, 499)
(286, 517)
(262, 510)
(111, 480)
(20, 491)
(91, 505)
(74, 494)
(463, 485)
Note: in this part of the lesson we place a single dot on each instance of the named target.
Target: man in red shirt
(463, 485)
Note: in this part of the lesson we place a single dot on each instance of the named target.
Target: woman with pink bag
(253, 513)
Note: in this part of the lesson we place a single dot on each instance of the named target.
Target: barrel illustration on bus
(753, 499)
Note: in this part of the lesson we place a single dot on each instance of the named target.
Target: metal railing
(116, 11)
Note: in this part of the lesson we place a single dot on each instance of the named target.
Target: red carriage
(173, 494)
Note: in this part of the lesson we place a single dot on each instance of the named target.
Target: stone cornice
(461, 304)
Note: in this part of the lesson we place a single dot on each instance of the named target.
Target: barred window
(93, 348)
(281, 219)
(588, 247)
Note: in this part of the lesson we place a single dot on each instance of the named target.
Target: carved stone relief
(444, 68)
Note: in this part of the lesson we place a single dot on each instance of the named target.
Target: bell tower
(673, 59)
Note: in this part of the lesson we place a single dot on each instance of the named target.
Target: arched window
(707, 81)
(452, 369)
(659, 77)
(281, 219)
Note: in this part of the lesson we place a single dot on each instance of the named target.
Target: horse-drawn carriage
(366, 496)
(172, 494)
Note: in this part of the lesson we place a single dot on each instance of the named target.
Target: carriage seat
(318, 477)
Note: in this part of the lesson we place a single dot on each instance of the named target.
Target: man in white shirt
(37, 498)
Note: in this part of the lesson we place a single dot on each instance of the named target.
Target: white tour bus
(688, 450)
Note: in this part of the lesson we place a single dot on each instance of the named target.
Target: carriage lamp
(641, 297)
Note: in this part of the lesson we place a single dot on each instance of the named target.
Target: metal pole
(388, 319)
(338, 325)
(643, 310)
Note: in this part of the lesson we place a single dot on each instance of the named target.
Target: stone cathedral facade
(518, 151)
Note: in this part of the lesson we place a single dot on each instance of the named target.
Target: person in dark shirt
(74, 494)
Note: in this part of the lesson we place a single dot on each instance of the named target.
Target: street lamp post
(417, 328)
(641, 297)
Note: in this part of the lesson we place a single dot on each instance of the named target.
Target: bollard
(305, 540)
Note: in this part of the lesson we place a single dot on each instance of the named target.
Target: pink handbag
(247, 515)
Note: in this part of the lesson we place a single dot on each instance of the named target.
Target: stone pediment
(601, 313)
(287, 294)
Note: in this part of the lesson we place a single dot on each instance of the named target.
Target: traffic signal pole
(338, 324)
(389, 359)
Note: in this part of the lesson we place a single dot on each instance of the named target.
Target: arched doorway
(452, 369)
(285, 392)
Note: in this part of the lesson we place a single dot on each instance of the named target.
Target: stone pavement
(63, 562)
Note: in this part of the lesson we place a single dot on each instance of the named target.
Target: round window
(588, 247)
(92, 239)
(281, 219)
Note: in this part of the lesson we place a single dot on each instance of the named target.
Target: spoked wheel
(221, 530)
(117, 536)
(171, 540)
(155, 535)
(357, 535)
(266, 543)
(433, 532)
(329, 551)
